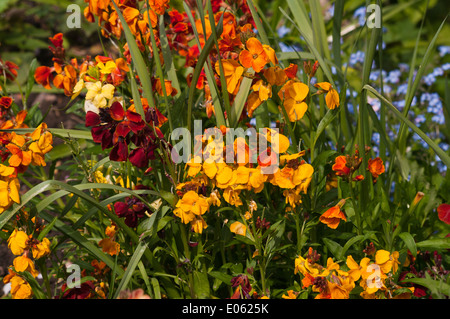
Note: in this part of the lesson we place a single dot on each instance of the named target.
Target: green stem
(187, 255)
(44, 273)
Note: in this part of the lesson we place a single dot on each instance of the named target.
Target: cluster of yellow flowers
(24, 246)
(228, 180)
(332, 282)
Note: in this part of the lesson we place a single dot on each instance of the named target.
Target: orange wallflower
(340, 166)
(376, 167)
(333, 215)
(254, 56)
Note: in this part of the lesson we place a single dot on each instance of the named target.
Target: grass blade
(439, 152)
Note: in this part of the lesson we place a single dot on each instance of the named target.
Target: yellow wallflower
(232, 71)
(293, 95)
(17, 242)
(41, 249)
(98, 93)
(332, 96)
(190, 205)
(23, 263)
(231, 195)
(9, 193)
(238, 228)
(20, 289)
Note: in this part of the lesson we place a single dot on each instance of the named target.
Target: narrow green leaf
(134, 260)
(409, 242)
(437, 243)
(412, 88)
(141, 68)
(239, 101)
(334, 247)
(439, 152)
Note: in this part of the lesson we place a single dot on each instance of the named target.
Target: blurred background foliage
(26, 25)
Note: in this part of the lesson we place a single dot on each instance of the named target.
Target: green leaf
(334, 247)
(439, 152)
(437, 243)
(138, 61)
(223, 277)
(412, 88)
(239, 101)
(409, 242)
(134, 260)
(201, 285)
(202, 59)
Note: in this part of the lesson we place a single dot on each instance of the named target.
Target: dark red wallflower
(132, 209)
(83, 292)
(243, 287)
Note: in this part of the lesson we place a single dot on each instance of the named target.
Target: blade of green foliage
(439, 152)
(138, 61)
(413, 85)
(409, 242)
(168, 59)
(303, 29)
(80, 240)
(64, 133)
(204, 53)
(134, 260)
(256, 17)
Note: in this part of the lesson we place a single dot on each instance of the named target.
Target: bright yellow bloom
(98, 93)
(41, 145)
(332, 97)
(290, 295)
(9, 192)
(232, 72)
(20, 289)
(190, 205)
(17, 242)
(231, 195)
(23, 263)
(6, 171)
(198, 224)
(238, 228)
(106, 68)
(293, 95)
(194, 166)
(41, 249)
(256, 180)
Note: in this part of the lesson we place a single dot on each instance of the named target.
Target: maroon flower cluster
(132, 209)
(117, 128)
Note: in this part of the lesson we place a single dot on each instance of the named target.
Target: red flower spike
(444, 213)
